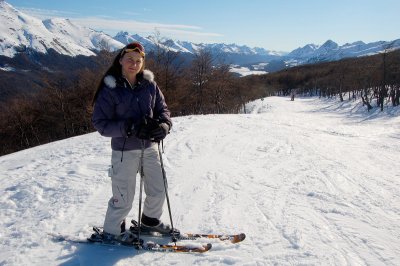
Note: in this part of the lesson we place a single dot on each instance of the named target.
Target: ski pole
(140, 194)
(166, 195)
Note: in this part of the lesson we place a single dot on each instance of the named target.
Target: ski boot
(126, 238)
(153, 226)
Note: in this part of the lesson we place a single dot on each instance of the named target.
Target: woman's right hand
(130, 128)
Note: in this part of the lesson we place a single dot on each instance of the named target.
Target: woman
(130, 108)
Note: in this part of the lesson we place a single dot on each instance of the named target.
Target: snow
(7, 68)
(310, 182)
(260, 66)
(245, 71)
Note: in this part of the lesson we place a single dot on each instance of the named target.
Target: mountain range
(20, 32)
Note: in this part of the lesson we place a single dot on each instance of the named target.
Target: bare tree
(220, 88)
(165, 63)
(200, 72)
(384, 88)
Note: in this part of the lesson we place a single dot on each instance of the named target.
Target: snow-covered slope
(20, 31)
(311, 182)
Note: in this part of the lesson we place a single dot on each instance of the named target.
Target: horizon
(276, 25)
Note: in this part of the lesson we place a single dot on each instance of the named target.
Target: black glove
(130, 128)
(160, 132)
(146, 127)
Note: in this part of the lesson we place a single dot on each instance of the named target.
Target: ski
(147, 246)
(151, 246)
(233, 238)
(236, 238)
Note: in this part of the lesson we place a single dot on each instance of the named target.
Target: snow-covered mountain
(20, 31)
(331, 51)
(189, 47)
(151, 44)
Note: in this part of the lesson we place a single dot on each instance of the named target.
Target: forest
(62, 106)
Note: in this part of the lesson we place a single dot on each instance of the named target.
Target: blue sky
(281, 25)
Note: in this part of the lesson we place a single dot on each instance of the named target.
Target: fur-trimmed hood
(111, 82)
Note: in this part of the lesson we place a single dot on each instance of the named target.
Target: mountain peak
(304, 51)
(330, 44)
(122, 33)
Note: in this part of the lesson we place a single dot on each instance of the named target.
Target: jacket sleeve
(161, 111)
(103, 117)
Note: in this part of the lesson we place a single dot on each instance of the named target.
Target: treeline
(203, 85)
(58, 111)
(375, 80)
(62, 107)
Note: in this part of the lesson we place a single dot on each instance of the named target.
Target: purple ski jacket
(118, 101)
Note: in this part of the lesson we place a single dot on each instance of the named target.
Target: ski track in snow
(312, 182)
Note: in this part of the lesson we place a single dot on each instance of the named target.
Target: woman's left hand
(160, 132)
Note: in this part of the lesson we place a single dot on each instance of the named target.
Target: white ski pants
(123, 179)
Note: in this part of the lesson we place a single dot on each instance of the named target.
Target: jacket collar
(111, 81)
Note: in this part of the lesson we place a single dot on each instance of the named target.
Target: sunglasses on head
(133, 47)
